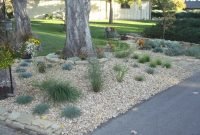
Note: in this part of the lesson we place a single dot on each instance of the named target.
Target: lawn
(52, 35)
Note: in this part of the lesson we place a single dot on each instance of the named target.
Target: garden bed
(114, 99)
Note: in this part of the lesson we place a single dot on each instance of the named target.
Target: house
(192, 4)
(99, 9)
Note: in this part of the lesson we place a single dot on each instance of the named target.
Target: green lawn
(52, 35)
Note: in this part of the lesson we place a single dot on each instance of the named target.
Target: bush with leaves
(95, 75)
(24, 99)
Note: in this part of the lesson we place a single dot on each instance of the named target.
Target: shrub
(193, 51)
(158, 62)
(122, 54)
(135, 56)
(95, 75)
(67, 67)
(139, 78)
(71, 112)
(24, 99)
(158, 50)
(59, 91)
(166, 65)
(24, 64)
(143, 59)
(25, 75)
(150, 71)
(152, 64)
(175, 49)
(41, 109)
(41, 67)
(20, 70)
(121, 74)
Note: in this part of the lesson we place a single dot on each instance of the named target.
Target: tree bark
(111, 12)
(78, 35)
(23, 25)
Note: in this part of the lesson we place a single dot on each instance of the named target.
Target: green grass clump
(71, 112)
(59, 91)
(166, 65)
(158, 62)
(117, 67)
(25, 75)
(150, 71)
(20, 70)
(135, 56)
(95, 75)
(41, 67)
(121, 74)
(143, 59)
(24, 64)
(139, 78)
(41, 109)
(24, 100)
(122, 54)
(67, 67)
(152, 64)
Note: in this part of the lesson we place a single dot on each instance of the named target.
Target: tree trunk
(23, 26)
(111, 12)
(79, 41)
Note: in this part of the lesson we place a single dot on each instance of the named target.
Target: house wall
(99, 10)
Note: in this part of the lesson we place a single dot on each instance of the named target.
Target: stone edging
(28, 123)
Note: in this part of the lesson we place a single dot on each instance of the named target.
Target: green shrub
(71, 112)
(150, 71)
(193, 51)
(59, 91)
(139, 78)
(41, 109)
(67, 67)
(158, 62)
(25, 75)
(175, 49)
(121, 74)
(41, 67)
(158, 50)
(152, 64)
(24, 64)
(135, 56)
(20, 70)
(143, 59)
(166, 65)
(122, 54)
(117, 67)
(95, 75)
(24, 99)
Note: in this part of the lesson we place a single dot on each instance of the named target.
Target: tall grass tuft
(71, 112)
(95, 75)
(59, 91)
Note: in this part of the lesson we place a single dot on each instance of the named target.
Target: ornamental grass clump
(121, 73)
(67, 67)
(20, 70)
(139, 78)
(117, 67)
(143, 59)
(24, 64)
(41, 109)
(59, 91)
(152, 64)
(41, 67)
(135, 56)
(24, 100)
(158, 62)
(95, 75)
(150, 71)
(122, 54)
(71, 112)
(166, 65)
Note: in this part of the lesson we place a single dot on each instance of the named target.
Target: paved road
(172, 112)
(9, 131)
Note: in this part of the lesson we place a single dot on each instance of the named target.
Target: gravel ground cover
(114, 99)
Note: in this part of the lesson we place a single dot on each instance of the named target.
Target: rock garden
(76, 95)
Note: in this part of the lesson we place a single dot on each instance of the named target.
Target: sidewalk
(175, 111)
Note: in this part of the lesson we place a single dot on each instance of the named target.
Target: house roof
(192, 4)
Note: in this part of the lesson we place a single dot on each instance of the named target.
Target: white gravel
(114, 99)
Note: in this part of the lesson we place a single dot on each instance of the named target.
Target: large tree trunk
(2, 17)
(79, 41)
(23, 26)
(111, 12)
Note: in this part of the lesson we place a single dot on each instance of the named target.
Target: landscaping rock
(14, 116)
(25, 118)
(2, 111)
(42, 123)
